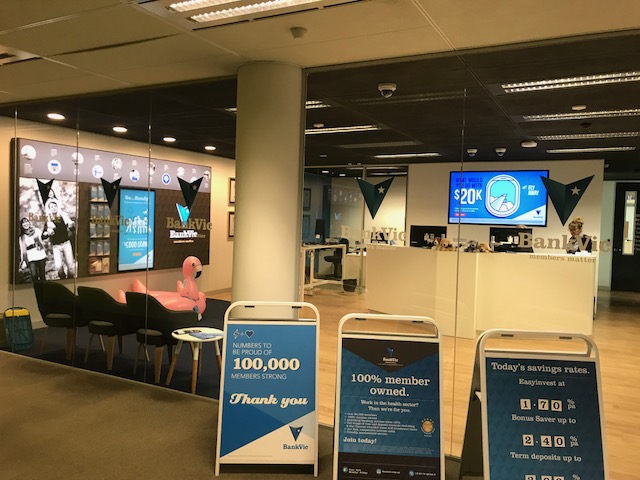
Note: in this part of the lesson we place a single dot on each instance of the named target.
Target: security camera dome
(387, 89)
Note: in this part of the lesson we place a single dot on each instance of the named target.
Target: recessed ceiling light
(209, 148)
(238, 11)
(570, 82)
(351, 129)
(120, 129)
(318, 125)
(325, 171)
(528, 144)
(323, 155)
(472, 151)
(403, 143)
(586, 136)
(408, 155)
(578, 108)
(169, 139)
(343, 174)
(55, 116)
(629, 112)
(591, 150)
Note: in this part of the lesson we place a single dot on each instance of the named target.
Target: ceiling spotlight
(472, 151)
(209, 148)
(120, 129)
(318, 125)
(528, 144)
(169, 139)
(55, 116)
(501, 151)
(578, 108)
(386, 89)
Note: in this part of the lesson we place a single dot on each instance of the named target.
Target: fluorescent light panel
(408, 155)
(408, 143)
(591, 150)
(571, 82)
(588, 136)
(351, 129)
(309, 105)
(248, 9)
(414, 98)
(630, 112)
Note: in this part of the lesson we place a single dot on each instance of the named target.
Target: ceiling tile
(156, 52)
(197, 69)
(16, 13)
(351, 24)
(497, 22)
(96, 29)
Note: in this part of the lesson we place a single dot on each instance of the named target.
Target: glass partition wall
(485, 275)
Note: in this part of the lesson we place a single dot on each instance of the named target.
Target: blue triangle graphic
(183, 213)
(295, 431)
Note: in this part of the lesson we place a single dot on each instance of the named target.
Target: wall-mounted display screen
(135, 241)
(498, 197)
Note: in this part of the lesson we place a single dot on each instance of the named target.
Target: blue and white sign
(389, 415)
(268, 399)
(498, 197)
(135, 248)
(543, 419)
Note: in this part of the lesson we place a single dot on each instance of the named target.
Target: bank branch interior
(444, 202)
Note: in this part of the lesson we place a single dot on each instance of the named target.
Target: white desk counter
(470, 292)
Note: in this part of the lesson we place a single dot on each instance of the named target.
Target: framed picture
(306, 199)
(231, 224)
(232, 191)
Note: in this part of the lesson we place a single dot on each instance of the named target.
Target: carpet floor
(60, 422)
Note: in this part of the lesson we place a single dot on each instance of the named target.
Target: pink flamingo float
(186, 296)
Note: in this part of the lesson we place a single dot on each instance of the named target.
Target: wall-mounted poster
(66, 200)
(135, 245)
(232, 191)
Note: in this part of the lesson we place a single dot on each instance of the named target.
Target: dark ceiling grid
(444, 103)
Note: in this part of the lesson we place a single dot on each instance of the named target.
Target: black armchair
(105, 316)
(59, 307)
(336, 258)
(154, 326)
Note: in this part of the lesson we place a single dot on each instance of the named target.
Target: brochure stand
(388, 411)
(268, 388)
(534, 414)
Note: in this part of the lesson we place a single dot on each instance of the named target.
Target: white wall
(215, 276)
(428, 194)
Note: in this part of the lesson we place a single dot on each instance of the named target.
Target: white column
(269, 176)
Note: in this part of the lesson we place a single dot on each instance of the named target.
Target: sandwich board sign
(268, 390)
(541, 410)
(388, 398)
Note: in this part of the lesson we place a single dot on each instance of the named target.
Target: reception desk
(466, 293)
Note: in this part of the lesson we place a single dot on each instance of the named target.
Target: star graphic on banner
(575, 191)
(194, 188)
(381, 190)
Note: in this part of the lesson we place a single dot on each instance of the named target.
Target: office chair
(59, 307)
(154, 325)
(107, 317)
(336, 258)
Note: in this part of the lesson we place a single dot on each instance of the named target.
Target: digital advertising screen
(498, 197)
(135, 240)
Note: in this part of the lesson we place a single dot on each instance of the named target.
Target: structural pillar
(269, 176)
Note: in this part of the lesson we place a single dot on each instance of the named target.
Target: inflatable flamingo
(186, 296)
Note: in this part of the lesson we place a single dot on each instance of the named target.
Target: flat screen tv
(507, 197)
(136, 230)
(424, 236)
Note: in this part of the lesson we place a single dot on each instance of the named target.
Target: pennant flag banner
(45, 190)
(110, 189)
(190, 190)
(374, 194)
(565, 198)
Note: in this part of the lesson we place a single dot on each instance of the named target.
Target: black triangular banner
(374, 194)
(566, 197)
(45, 190)
(190, 190)
(110, 189)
